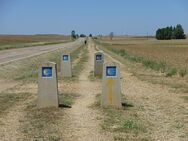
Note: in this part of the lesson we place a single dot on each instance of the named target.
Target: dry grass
(12, 39)
(159, 112)
(29, 71)
(34, 123)
(125, 123)
(20, 41)
(141, 54)
(173, 52)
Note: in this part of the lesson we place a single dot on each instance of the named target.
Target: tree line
(169, 33)
(75, 36)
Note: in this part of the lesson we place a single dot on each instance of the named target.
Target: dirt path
(83, 121)
(164, 111)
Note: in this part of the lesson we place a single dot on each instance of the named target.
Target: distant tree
(170, 33)
(90, 35)
(82, 35)
(73, 34)
(111, 35)
(179, 32)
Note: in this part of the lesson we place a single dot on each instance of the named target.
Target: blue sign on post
(111, 71)
(46, 72)
(99, 57)
(65, 57)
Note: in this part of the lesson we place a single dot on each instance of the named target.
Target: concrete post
(111, 89)
(66, 68)
(47, 86)
(98, 63)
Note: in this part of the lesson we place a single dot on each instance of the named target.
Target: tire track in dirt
(83, 121)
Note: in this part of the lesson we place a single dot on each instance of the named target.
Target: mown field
(20, 41)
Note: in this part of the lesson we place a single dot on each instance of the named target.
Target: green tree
(179, 32)
(82, 35)
(170, 33)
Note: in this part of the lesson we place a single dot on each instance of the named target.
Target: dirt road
(17, 54)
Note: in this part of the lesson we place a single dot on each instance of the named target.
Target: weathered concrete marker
(66, 68)
(111, 89)
(98, 63)
(47, 85)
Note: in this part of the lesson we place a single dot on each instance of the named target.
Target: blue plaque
(65, 57)
(46, 72)
(111, 71)
(99, 57)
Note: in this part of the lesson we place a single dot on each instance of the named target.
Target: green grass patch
(185, 98)
(67, 99)
(183, 72)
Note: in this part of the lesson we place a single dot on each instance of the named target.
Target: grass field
(20, 41)
(158, 62)
(172, 53)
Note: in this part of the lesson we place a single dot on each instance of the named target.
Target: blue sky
(133, 17)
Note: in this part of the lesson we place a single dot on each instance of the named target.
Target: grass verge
(9, 99)
(67, 99)
(27, 70)
(44, 123)
(123, 123)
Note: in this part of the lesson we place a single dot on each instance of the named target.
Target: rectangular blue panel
(65, 57)
(111, 71)
(46, 72)
(98, 57)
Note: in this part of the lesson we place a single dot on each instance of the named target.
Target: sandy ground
(83, 122)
